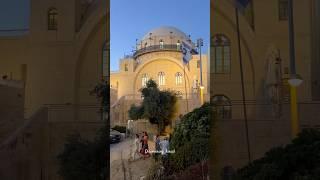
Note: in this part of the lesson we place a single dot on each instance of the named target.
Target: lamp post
(295, 79)
(199, 45)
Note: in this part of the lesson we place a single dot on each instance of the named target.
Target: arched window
(105, 58)
(52, 19)
(221, 54)
(126, 67)
(145, 79)
(161, 44)
(162, 79)
(222, 106)
(178, 78)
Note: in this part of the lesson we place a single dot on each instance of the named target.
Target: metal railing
(154, 48)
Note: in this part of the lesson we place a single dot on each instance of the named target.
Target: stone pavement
(123, 169)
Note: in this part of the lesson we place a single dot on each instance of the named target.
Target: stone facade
(265, 52)
(57, 66)
(159, 51)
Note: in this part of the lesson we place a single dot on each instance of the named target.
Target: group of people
(141, 147)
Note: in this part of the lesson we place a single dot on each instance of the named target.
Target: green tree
(190, 141)
(298, 160)
(158, 107)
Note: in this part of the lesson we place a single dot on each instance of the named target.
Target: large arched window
(52, 19)
(144, 79)
(162, 78)
(221, 54)
(178, 78)
(105, 62)
(222, 106)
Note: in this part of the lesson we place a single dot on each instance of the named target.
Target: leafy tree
(190, 140)
(135, 112)
(157, 106)
(298, 160)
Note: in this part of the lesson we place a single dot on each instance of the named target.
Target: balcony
(155, 48)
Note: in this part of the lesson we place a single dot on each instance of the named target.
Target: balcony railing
(154, 48)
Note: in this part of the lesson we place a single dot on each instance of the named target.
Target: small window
(126, 67)
(283, 10)
(178, 78)
(162, 80)
(53, 19)
(161, 44)
(178, 45)
(198, 64)
(144, 80)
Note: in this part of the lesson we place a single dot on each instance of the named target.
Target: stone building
(46, 74)
(264, 39)
(158, 56)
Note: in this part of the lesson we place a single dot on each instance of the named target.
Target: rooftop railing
(155, 48)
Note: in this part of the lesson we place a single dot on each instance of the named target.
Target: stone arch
(166, 58)
(247, 35)
(95, 22)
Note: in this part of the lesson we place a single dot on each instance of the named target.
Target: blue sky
(14, 14)
(132, 19)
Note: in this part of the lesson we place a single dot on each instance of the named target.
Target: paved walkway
(123, 169)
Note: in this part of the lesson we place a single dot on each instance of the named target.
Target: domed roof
(166, 31)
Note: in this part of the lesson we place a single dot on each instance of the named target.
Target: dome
(166, 31)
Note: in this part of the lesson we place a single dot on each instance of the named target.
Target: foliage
(190, 141)
(194, 172)
(157, 106)
(194, 125)
(298, 160)
(102, 92)
(135, 112)
(82, 159)
(121, 129)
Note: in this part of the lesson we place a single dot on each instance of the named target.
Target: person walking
(164, 146)
(145, 146)
(136, 147)
(157, 147)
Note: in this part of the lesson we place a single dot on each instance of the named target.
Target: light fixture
(295, 80)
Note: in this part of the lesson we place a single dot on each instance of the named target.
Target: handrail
(154, 48)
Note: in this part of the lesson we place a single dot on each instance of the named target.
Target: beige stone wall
(261, 45)
(129, 82)
(57, 68)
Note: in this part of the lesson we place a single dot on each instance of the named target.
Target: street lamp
(199, 45)
(295, 79)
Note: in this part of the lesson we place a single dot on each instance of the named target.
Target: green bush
(190, 140)
(298, 160)
(121, 129)
(82, 159)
